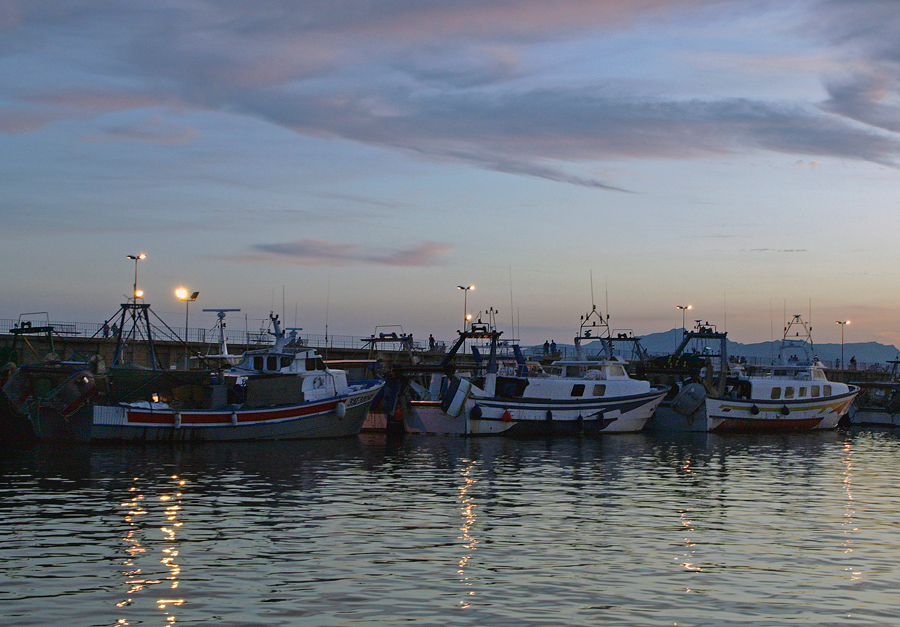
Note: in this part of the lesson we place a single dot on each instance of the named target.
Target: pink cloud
(98, 101)
(14, 121)
(310, 252)
(153, 131)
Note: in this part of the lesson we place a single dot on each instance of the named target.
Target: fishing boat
(792, 394)
(43, 378)
(284, 391)
(579, 395)
(878, 402)
(512, 397)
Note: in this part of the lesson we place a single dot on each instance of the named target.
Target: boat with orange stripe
(791, 394)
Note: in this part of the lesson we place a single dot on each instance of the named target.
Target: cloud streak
(447, 80)
(312, 252)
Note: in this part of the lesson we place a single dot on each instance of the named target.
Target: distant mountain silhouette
(763, 352)
(865, 352)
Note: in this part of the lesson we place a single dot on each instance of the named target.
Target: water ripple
(627, 530)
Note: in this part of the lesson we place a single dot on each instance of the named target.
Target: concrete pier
(36, 348)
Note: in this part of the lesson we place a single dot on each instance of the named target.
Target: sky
(350, 163)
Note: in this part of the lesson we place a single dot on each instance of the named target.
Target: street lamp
(843, 323)
(182, 294)
(465, 306)
(683, 309)
(136, 258)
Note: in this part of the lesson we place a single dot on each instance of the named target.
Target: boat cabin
(785, 383)
(266, 362)
(591, 370)
(585, 379)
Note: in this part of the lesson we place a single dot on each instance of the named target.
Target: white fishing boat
(792, 394)
(579, 395)
(511, 397)
(280, 392)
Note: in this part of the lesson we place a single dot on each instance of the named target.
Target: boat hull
(540, 417)
(792, 415)
(873, 417)
(330, 418)
(428, 417)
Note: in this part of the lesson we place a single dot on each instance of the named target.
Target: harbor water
(639, 529)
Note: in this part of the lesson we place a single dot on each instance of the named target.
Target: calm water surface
(621, 530)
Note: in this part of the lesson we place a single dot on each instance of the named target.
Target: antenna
(512, 320)
(327, 303)
(220, 313)
(607, 297)
(593, 304)
(771, 330)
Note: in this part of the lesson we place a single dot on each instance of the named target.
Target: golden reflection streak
(688, 564)
(136, 549)
(171, 552)
(849, 509)
(467, 510)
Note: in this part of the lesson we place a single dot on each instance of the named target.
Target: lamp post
(465, 305)
(843, 323)
(683, 309)
(188, 298)
(136, 258)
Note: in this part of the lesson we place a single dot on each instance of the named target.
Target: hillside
(865, 352)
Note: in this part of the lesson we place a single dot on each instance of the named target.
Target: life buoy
(507, 417)
(317, 382)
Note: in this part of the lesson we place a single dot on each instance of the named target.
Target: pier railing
(245, 339)
(234, 337)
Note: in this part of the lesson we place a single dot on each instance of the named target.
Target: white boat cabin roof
(285, 362)
(793, 372)
(607, 369)
(781, 381)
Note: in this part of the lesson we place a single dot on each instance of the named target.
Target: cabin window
(616, 371)
(258, 362)
(315, 363)
(272, 362)
(827, 390)
(801, 392)
(776, 393)
(814, 391)
(789, 392)
(578, 389)
(599, 389)
(286, 361)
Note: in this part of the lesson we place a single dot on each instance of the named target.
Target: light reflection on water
(624, 530)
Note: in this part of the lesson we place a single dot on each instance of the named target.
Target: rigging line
(593, 303)
(607, 297)
(512, 320)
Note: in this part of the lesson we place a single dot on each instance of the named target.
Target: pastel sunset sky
(363, 158)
